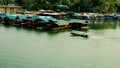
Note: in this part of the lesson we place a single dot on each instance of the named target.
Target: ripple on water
(28, 49)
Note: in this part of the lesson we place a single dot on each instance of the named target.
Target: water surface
(30, 48)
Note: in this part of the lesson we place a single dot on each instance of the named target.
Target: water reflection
(7, 26)
(33, 48)
(55, 32)
(118, 24)
(94, 24)
(102, 24)
(35, 30)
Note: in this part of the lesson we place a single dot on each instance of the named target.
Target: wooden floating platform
(85, 27)
(42, 22)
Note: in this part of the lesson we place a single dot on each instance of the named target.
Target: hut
(10, 9)
(10, 18)
(45, 21)
(79, 25)
(28, 20)
(49, 23)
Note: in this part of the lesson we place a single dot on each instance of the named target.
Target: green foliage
(73, 5)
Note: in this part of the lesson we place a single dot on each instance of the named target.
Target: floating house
(83, 16)
(10, 18)
(49, 23)
(10, 9)
(2, 15)
(83, 24)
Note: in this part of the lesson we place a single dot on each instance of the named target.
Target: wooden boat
(79, 33)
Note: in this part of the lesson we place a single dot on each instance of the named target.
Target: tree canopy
(73, 5)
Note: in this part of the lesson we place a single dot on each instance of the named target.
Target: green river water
(30, 48)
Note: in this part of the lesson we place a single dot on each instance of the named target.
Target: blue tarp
(30, 17)
(2, 15)
(15, 17)
(11, 16)
(20, 17)
(84, 17)
(46, 18)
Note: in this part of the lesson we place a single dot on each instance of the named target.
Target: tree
(83, 5)
(112, 7)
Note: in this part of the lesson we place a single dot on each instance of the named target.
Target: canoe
(79, 33)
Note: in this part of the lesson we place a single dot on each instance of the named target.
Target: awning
(46, 18)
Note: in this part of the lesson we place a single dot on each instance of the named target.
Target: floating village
(59, 33)
(51, 20)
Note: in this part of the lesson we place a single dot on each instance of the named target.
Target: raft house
(40, 22)
(83, 24)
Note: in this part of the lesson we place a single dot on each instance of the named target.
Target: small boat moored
(79, 33)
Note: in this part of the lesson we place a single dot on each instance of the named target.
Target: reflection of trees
(57, 31)
(103, 25)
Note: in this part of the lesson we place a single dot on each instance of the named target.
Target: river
(31, 48)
